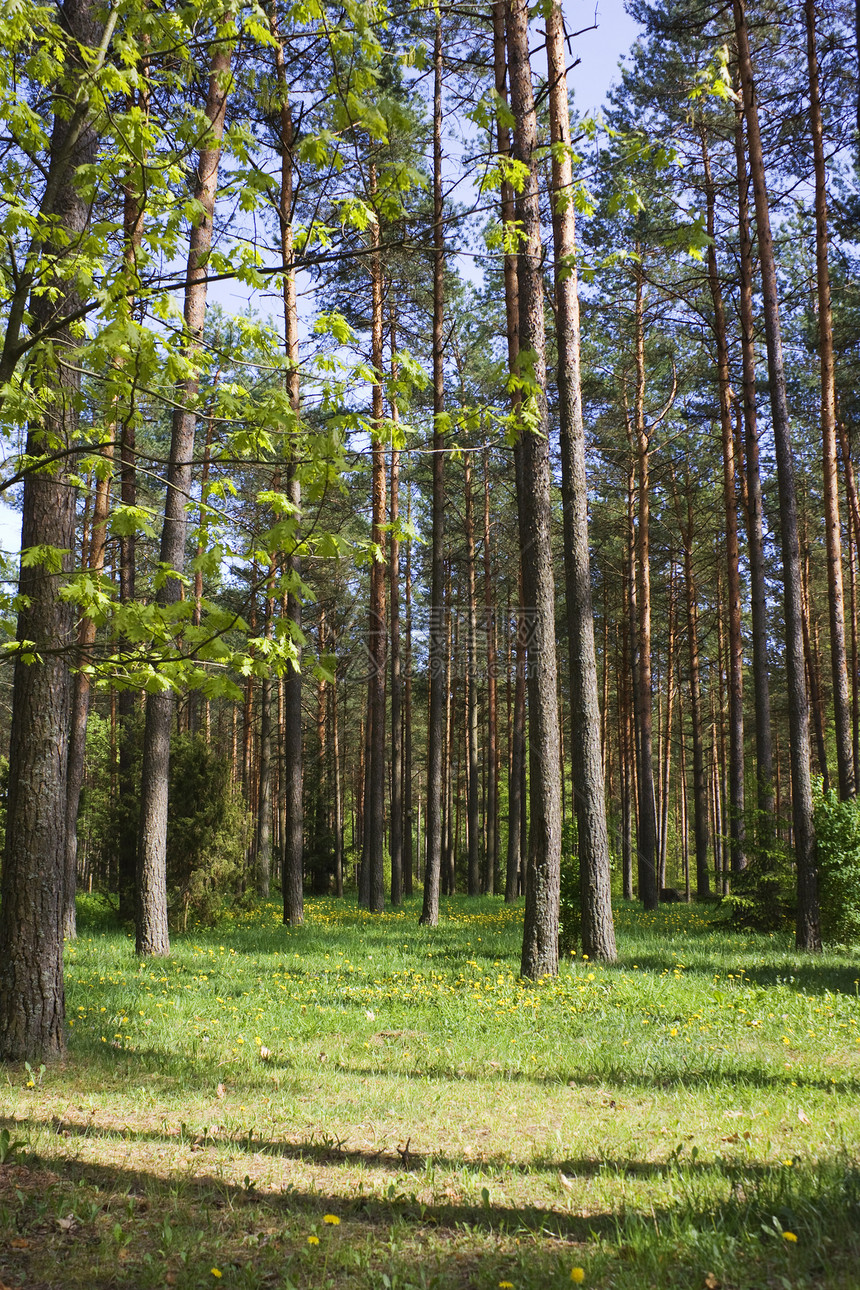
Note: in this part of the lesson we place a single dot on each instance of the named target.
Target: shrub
(763, 895)
(837, 830)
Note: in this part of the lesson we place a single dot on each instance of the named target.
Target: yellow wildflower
(577, 1275)
(332, 1219)
(789, 1236)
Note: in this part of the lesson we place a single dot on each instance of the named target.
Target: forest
(438, 515)
(451, 490)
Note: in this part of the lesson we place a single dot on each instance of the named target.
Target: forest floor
(364, 1102)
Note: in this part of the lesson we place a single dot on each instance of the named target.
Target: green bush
(763, 895)
(837, 830)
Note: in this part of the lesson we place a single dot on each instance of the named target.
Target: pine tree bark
(493, 877)
(81, 694)
(152, 937)
(807, 930)
(598, 933)
(396, 815)
(292, 856)
(436, 716)
(32, 1002)
(540, 930)
(646, 832)
(846, 774)
(472, 763)
(735, 643)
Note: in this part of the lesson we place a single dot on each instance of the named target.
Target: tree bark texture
(807, 932)
(540, 931)
(598, 933)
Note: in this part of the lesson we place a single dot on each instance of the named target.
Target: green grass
(660, 1123)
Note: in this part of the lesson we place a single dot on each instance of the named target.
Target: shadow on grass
(406, 1159)
(94, 1225)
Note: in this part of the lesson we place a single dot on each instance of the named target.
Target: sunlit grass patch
(648, 1122)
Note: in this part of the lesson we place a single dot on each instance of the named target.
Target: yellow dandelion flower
(577, 1275)
(789, 1236)
(216, 1272)
(313, 1240)
(332, 1219)
(506, 1285)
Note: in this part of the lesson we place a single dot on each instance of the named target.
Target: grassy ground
(362, 1102)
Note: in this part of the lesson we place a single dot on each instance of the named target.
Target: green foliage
(837, 830)
(207, 829)
(763, 895)
(207, 823)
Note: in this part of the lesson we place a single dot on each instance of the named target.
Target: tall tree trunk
(436, 718)
(263, 855)
(493, 877)
(598, 933)
(472, 763)
(755, 509)
(82, 690)
(666, 761)
(832, 527)
(735, 644)
(410, 837)
(374, 809)
(396, 831)
(700, 784)
(152, 936)
(647, 818)
(32, 1000)
(808, 931)
(292, 856)
(540, 930)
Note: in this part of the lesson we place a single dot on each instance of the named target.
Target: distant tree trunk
(735, 644)
(82, 689)
(472, 763)
(126, 841)
(808, 932)
(832, 526)
(292, 856)
(517, 736)
(598, 934)
(396, 830)
(338, 793)
(408, 798)
(493, 877)
(755, 509)
(152, 936)
(540, 930)
(646, 832)
(264, 791)
(666, 764)
(700, 785)
(374, 809)
(436, 718)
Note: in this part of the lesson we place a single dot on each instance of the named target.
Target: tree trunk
(410, 838)
(807, 932)
(646, 832)
(436, 718)
(396, 832)
(540, 931)
(152, 936)
(755, 509)
(292, 856)
(493, 876)
(374, 809)
(832, 526)
(472, 763)
(735, 644)
(31, 906)
(82, 690)
(598, 933)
